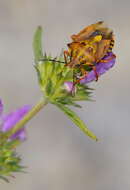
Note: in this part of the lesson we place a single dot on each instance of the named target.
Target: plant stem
(27, 117)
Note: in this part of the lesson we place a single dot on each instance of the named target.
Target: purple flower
(101, 68)
(9, 120)
(69, 86)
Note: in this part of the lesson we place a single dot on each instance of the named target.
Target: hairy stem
(27, 117)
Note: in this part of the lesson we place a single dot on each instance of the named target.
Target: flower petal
(21, 135)
(8, 121)
(101, 68)
(69, 86)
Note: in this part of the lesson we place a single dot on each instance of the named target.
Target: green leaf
(67, 101)
(37, 44)
(82, 93)
(75, 118)
(49, 87)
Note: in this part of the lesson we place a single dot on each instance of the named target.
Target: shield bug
(87, 48)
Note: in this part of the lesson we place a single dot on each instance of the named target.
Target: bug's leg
(89, 64)
(73, 88)
(107, 60)
(96, 74)
(93, 68)
(84, 74)
(78, 80)
(66, 55)
(74, 82)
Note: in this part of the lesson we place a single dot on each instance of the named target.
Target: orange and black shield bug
(87, 48)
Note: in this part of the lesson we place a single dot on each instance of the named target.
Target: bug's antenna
(54, 60)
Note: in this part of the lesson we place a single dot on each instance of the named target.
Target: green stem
(27, 117)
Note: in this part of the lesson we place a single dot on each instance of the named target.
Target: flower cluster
(9, 160)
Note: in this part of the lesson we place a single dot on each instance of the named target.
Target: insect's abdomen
(111, 45)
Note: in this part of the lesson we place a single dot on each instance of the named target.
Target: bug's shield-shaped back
(92, 29)
(102, 48)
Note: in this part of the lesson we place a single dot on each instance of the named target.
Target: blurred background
(58, 155)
